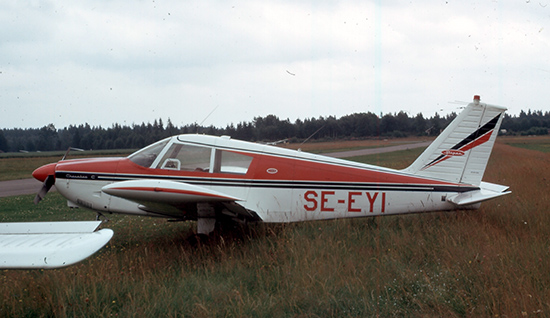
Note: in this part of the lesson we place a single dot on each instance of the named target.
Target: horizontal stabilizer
(485, 192)
(49, 244)
(162, 191)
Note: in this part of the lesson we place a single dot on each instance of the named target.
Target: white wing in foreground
(49, 244)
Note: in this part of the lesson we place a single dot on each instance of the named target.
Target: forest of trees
(269, 128)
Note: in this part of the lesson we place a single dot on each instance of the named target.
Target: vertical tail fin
(461, 151)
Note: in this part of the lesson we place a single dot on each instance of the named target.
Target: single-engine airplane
(210, 179)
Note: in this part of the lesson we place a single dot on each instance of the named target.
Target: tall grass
(489, 262)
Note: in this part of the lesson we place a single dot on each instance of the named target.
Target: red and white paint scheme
(207, 178)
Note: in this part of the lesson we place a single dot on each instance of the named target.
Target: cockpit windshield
(146, 156)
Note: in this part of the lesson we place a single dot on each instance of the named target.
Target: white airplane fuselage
(280, 185)
(217, 179)
(200, 177)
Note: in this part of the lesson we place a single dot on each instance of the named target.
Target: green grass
(73, 154)
(394, 160)
(15, 166)
(488, 262)
(22, 168)
(349, 145)
(53, 208)
(538, 143)
(342, 149)
(538, 147)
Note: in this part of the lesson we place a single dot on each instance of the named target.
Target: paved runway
(372, 151)
(30, 186)
(19, 187)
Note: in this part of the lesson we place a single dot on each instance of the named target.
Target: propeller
(48, 183)
(46, 174)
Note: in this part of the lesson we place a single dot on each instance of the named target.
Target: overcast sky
(105, 62)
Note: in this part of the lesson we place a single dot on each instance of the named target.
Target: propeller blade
(46, 186)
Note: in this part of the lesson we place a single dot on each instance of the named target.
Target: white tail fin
(461, 151)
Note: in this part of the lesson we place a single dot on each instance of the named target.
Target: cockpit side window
(186, 157)
(146, 156)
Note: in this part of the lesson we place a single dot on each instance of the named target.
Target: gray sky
(101, 62)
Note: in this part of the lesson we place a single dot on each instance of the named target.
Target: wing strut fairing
(49, 244)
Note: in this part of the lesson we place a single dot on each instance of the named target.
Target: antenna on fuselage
(68, 150)
(308, 138)
(205, 118)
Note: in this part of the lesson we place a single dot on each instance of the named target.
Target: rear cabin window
(231, 162)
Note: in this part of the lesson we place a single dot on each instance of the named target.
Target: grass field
(539, 143)
(346, 145)
(15, 166)
(492, 262)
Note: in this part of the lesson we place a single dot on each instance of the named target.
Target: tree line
(268, 128)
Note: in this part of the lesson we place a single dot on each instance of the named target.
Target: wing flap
(35, 245)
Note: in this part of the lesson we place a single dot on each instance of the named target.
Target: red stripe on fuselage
(288, 170)
(301, 170)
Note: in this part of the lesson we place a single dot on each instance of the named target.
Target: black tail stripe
(478, 133)
(473, 136)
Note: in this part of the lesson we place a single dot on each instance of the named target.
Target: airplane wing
(162, 191)
(164, 196)
(35, 245)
